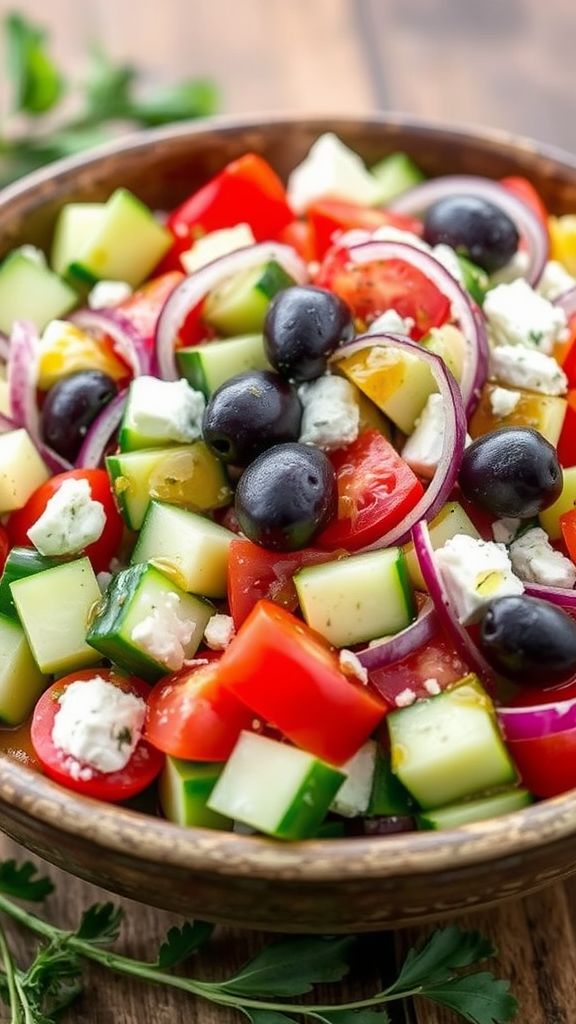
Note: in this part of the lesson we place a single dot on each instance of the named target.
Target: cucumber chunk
(399, 383)
(31, 291)
(188, 475)
(389, 798)
(394, 174)
(239, 305)
(566, 502)
(451, 519)
(475, 810)
(21, 562)
(133, 597)
(184, 788)
(125, 245)
(208, 366)
(55, 607)
(21, 681)
(449, 748)
(159, 413)
(21, 470)
(357, 599)
(276, 789)
(76, 223)
(353, 798)
(449, 343)
(188, 547)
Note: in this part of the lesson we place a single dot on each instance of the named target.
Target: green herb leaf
(446, 951)
(100, 924)
(292, 967)
(108, 89)
(268, 1017)
(36, 81)
(353, 1017)
(196, 97)
(180, 943)
(478, 998)
(54, 979)
(23, 881)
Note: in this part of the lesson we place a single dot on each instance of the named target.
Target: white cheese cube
(351, 666)
(504, 530)
(70, 522)
(353, 797)
(555, 280)
(331, 414)
(332, 170)
(517, 315)
(107, 294)
(525, 368)
(474, 572)
(164, 410)
(219, 632)
(216, 244)
(423, 448)
(503, 401)
(21, 470)
(163, 634)
(98, 725)
(390, 322)
(534, 560)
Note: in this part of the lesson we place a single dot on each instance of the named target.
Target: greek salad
(288, 498)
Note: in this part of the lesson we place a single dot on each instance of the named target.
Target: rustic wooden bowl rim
(157, 841)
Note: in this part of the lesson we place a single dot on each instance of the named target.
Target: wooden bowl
(349, 885)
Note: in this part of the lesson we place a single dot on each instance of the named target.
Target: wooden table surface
(508, 63)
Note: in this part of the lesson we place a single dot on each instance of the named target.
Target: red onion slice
(448, 467)
(99, 433)
(447, 617)
(468, 317)
(187, 295)
(567, 302)
(561, 596)
(530, 722)
(55, 463)
(22, 377)
(389, 649)
(530, 228)
(6, 424)
(127, 341)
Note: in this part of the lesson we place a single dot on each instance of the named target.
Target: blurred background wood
(507, 63)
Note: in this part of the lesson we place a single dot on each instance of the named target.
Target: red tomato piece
(191, 715)
(102, 550)
(143, 308)
(568, 526)
(437, 660)
(4, 547)
(372, 288)
(566, 355)
(299, 235)
(330, 217)
(142, 768)
(524, 190)
(376, 490)
(566, 447)
(254, 573)
(289, 676)
(547, 764)
(246, 191)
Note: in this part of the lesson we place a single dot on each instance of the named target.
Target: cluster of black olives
(287, 493)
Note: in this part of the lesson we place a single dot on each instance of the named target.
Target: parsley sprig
(52, 117)
(263, 990)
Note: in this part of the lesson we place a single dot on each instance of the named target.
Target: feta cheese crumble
(526, 368)
(534, 560)
(106, 294)
(448, 257)
(98, 726)
(165, 410)
(216, 244)
(352, 666)
(163, 634)
(219, 632)
(353, 797)
(332, 170)
(331, 415)
(70, 522)
(503, 402)
(474, 572)
(515, 268)
(405, 698)
(504, 530)
(554, 281)
(432, 687)
(390, 322)
(517, 315)
(423, 448)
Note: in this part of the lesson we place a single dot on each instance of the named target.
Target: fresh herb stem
(10, 975)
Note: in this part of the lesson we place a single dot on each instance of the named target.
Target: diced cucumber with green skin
(190, 548)
(449, 748)
(395, 174)
(353, 797)
(239, 305)
(389, 798)
(277, 789)
(360, 598)
(126, 245)
(208, 366)
(451, 519)
(31, 291)
(449, 343)
(475, 810)
(21, 681)
(476, 280)
(186, 475)
(566, 502)
(22, 470)
(184, 788)
(76, 223)
(54, 607)
(21, 562)
(131, 597)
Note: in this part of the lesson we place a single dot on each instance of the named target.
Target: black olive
(71, 405)
(304, 325)
(512, 471)
(527, 639)
(474, 227)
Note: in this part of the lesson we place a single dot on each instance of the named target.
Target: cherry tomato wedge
(191, 715)
(372, 288)
(330, 217)
(142, 768)
(547, 764)
(102, 550)
(143, 308)
(376, 489)
(299, 235)
(289, 676)
(438, 660)
(254, 573)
